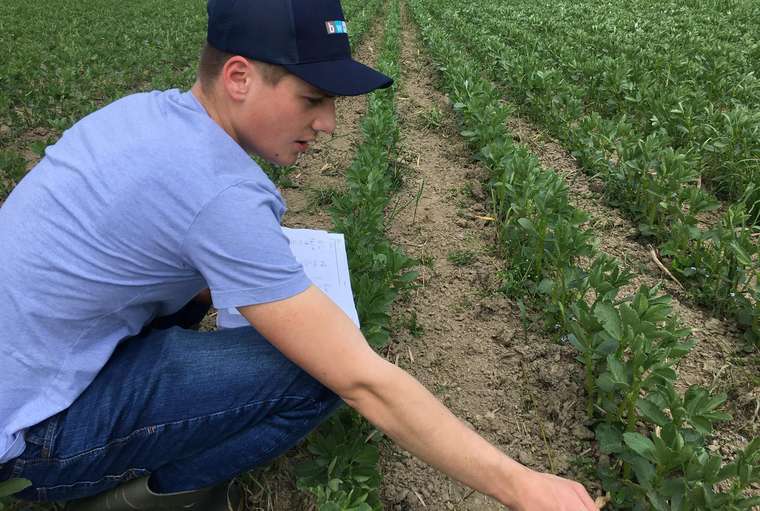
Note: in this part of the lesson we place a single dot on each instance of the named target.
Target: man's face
(278, 122)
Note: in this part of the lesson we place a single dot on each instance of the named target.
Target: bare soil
(467, 343)
(456, 333)
(715, 362)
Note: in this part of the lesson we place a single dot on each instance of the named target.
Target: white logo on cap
(336, 27)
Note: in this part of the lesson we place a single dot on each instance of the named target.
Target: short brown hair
(213, 60)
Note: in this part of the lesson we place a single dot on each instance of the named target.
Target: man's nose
(325, 121)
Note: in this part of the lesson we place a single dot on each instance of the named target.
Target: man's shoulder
(140, 104)
(155, 126)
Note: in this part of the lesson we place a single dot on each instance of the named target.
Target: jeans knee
(330, 402)
(321, 397)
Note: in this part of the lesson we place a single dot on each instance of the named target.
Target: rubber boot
(135, 495)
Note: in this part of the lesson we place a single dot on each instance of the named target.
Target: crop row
(66, 59)
(655, 436)
(650, 176)
(343, 474)
(656, 65)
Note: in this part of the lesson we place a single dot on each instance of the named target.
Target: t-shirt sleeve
(237, 245)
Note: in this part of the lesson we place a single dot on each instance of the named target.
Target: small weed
(38, 147)
(12, 165)
(464, 304)
(461, 257)
(428, 260)
(279, 175)
(467, 189)
(441, 389)
(602, 224)
(321, 197)
(584, 465)
(432, 118)
(411, 324)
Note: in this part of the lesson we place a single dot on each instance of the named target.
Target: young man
(137, 209)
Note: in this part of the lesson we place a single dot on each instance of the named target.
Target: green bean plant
(720, 265)
(343, 474)
(628, 61)
(651, 127)
(630, 345)
(10, 487)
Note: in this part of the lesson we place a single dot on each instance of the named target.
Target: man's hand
(535, 491)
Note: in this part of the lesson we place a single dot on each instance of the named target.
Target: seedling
(320, 197)
(432, 118)
(461, 257)
(413, 326)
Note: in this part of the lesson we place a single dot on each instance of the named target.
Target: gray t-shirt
(139, 206)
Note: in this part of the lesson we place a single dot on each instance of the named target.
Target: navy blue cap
(309, 38)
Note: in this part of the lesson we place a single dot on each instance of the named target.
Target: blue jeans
(190, 409)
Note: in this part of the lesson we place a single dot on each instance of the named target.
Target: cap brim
(341, 77)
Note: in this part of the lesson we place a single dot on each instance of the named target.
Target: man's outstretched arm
(314, 333)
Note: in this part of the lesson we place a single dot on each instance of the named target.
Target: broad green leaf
(652, 412)
(629, 316)
(616, 369)
(526, 224)
(673, 487)
(334, 484)
(641, 303)
(741, 256)
(609, 438)
(545, 286)
(12, 486)
(573, 340)
(643, 469)
(368, 455)
(605, 382)
(727, 471)
(408, 277)
(640, 444)
(715, 401)
(331, 468)
(717, 416)
(657, 313)
(608, 346)
(753, 448)
(663, 374)
(657, 501)
(701, 424)
(609, 318)
(712, 468)
(745, 474)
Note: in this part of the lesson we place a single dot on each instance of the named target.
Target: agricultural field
(552, 221)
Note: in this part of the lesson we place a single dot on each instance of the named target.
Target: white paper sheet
(324, 260)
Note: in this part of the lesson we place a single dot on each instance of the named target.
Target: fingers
(584, 497)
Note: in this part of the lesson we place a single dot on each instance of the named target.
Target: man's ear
(237, 77)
